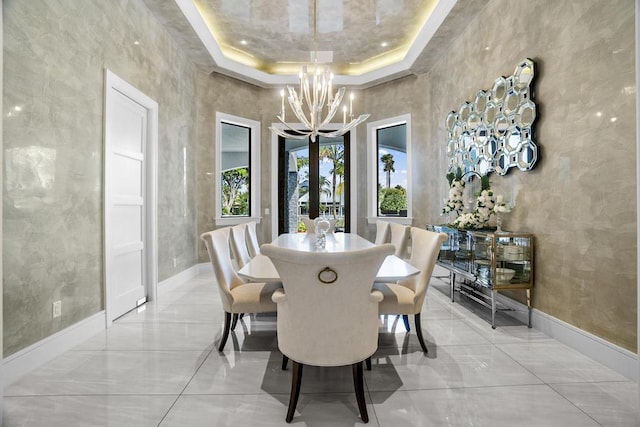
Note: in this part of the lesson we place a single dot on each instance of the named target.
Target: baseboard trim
(175, 281)
(24, 361)
(612, 356)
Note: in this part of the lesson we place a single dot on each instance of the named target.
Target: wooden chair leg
(296, 380)
(225, 333)
(234, 322)
(368, 363)
(406, 322)
(285, 360)
(358, 383)
(419, 333)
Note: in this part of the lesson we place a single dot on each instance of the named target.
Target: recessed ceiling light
(384, 44)
(599, 114)
(613, 119)
(243, 42)
(136, 42)
(487, 48)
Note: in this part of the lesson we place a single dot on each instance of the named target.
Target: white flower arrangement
(485, 209)
(454, 202)
(466, 221)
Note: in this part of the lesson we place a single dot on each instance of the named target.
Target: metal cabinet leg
(493, 308)
(529, 305)
(452, 284)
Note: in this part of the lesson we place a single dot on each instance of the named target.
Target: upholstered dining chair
(327, 312)
(239, 244)
(407, 296)
(382, 232)
(252, 239)
(236, 295)
(399, 238)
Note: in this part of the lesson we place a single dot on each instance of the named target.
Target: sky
(399, 177)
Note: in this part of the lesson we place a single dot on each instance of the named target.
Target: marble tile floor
(159, 367)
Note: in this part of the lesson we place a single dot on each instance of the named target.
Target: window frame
(254, 170)
(372, 169)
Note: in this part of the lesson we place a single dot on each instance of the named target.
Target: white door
(126, 204)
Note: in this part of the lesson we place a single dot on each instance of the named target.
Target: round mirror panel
(450, 121)
(490, 112)
(513, 139)
(465, 139)
(511, 102)
(482, 135)
(492, 147)
(502, 163)
(457, 130)
(523, 74)
(474, 121)
(499, 89)
(473, 156)
(481, 101)
(452, 146)
(528, 155)
(526, 114)
(465, 112)
(484, 166)
(501, 124)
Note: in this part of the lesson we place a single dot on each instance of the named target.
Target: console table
(488, 262)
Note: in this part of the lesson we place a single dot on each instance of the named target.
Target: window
(237, 169)
(389, 163)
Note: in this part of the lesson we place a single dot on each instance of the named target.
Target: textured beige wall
(218, 93)
(54, 59)
(580, 201)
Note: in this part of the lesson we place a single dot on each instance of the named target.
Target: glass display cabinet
(487, 262)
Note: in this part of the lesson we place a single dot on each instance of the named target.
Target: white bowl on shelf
(504, 275)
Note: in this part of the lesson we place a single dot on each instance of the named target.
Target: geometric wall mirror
(494, 131)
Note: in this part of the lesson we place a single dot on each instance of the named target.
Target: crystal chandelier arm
(288, 126)
(345, 129)
(284, 134)
(296, 106)
(333, 107)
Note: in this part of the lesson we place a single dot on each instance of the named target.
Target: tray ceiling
(267, 41)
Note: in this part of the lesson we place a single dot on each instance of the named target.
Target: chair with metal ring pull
(322, 294)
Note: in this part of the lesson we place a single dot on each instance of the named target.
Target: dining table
(261, 269)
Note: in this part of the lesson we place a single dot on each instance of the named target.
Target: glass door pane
(332, 183)
(313, 181)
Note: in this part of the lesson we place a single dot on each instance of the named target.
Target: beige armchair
(382, 232)
(237, 296)
(252, 239)
(327, 312)
(407, 296)
(399, 238)
(239, 244)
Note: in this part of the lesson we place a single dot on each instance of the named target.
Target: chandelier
(316, 103)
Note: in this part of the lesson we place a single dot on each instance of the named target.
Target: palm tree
(387, 160)
(335, 153)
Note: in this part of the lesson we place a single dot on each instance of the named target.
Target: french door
(313, 180)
